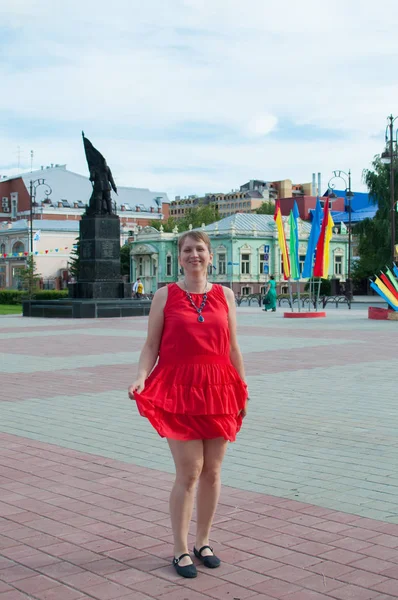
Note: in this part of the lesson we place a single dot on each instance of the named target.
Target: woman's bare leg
(188, 460)
(209, 489)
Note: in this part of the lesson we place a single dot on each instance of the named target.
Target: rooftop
(42, 224)
(73, 187)
(245, 222)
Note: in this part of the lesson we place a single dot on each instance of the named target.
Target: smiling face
(194, 256)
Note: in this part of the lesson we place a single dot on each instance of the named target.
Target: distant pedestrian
(138, 288)
(270, 297)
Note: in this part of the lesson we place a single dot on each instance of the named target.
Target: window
(246, 291)
(222, 264)
(140, 266)
(262, 290)
(261, 269)
(282, 271)
(2, 249)
(245, 264)
(338, 265)
(322, 203)
(18, 247)
(301, 262)
(14, 208)
(210, 270)
(154, 267)
(169, 270)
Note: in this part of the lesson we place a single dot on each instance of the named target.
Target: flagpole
(298, 295)
(291, 294)
(318, 294)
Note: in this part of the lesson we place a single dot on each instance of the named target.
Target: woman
(196, 396)
(270, 298)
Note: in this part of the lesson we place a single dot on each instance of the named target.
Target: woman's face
(194, 256)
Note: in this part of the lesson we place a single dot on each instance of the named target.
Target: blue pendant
(201, 319)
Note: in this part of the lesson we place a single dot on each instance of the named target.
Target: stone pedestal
(99, 272)
(99, 292)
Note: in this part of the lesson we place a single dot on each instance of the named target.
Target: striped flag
(312, 241)
(321, 266)
(282, 240)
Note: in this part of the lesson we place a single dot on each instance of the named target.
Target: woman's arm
(234, 352)
(150, 351)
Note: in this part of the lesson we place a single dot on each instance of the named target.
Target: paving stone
(309, 505)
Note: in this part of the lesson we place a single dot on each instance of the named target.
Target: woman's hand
(243, 412)
(137, 386)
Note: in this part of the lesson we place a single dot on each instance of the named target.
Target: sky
(196, 96)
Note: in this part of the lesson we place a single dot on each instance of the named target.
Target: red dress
(194, 392)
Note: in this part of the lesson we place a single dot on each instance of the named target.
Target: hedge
(16, 296)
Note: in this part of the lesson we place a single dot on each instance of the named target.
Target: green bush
(326, 286)
(51, 294)
(12, 297)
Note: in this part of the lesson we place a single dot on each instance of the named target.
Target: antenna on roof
(19, 152)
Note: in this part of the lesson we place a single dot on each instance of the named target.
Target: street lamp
(387, 158)
(34, 184)
(346, 177)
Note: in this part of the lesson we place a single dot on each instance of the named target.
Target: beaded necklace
(202, 305)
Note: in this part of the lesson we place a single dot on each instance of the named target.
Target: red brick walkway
(75, 526)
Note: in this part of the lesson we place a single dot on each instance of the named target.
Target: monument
(99, 290)
(99, 270)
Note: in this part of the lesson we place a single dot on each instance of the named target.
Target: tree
(74, 260)
(194, 216)
(168, 225)
(267, 208)
(125, 260)
(30, 277)
(374, 235)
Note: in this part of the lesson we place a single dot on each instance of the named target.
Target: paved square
(310, 503)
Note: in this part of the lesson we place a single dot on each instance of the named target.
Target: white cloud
(133, 74)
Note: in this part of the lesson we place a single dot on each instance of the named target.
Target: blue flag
(312, 241)
(296, 215)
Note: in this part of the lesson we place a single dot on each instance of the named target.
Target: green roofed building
(246, 253)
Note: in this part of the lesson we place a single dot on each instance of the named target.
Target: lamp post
(387, 158)
(346, 177)
(33, 185)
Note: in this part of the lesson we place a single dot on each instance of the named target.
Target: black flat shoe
(189, 571)
(212, 562)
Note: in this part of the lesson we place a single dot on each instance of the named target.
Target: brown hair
(198, 236)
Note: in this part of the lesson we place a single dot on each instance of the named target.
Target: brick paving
(309, 507)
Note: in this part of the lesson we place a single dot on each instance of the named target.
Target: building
(70, 193)
(52, 246)
(56, 217)
(306, 204)
(361, 207)
(240, 262)
(246, 199)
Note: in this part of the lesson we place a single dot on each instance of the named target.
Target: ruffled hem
(194, 389)
(189, 427)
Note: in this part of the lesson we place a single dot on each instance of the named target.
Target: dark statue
(102, 180)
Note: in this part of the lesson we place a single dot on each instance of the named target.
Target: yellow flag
(282, 240)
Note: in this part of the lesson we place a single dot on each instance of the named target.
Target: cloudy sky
(194, 96)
